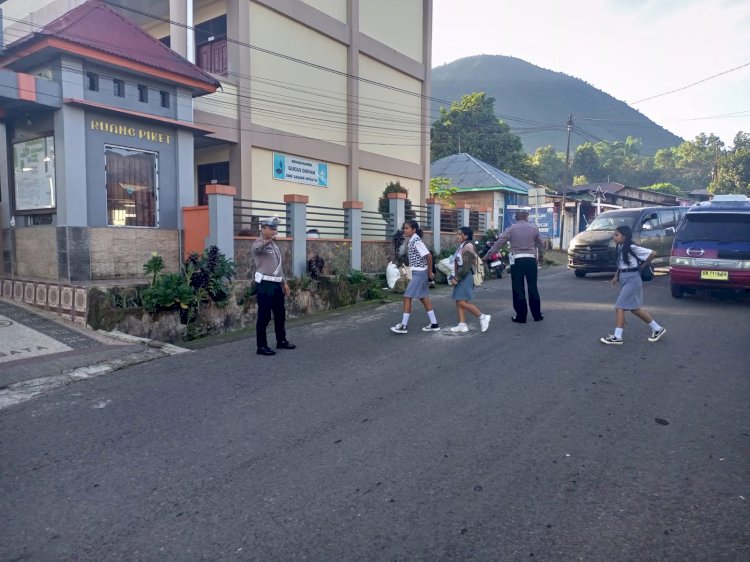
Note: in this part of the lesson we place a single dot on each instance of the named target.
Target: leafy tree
(470, 126)
(443, 189)
(733, 170)
(586, 163)
(383, 205)
(580, 180)
(668, 188)
(548, 166)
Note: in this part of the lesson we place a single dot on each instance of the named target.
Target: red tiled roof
(97, 26)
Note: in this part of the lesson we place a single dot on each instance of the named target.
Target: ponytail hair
(415, 225)
(626, 233)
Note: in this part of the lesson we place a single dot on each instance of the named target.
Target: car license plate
(715, 275)
(495, 263)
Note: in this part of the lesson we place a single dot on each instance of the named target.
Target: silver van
(593, 250)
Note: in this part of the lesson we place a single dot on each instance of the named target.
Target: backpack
(478, 271)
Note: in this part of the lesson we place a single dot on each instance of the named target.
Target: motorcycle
(497, 262)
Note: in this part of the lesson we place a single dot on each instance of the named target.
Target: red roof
(95, 25)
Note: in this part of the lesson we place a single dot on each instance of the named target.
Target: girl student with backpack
(464, 260)
(420, 264)
(631, 258)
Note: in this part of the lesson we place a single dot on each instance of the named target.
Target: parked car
(593, 250)
(712, 247)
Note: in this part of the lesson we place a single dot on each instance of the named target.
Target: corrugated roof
(95, 25)
(471, 174)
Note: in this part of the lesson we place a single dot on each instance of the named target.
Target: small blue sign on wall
(299, 170)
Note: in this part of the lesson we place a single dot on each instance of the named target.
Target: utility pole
(565, 182)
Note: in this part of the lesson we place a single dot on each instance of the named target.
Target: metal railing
(248, 214)
(449, 220)
(375, 227)
(325, 222)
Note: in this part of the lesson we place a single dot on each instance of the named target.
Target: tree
(443, 189)
(586, 163)
(548, 166)
(470, 126)
(733, 172)
(383, 205)
(668, 188)
(580, 180)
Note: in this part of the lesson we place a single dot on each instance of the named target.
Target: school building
(114, 116)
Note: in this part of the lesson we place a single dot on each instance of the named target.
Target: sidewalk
(39, 351)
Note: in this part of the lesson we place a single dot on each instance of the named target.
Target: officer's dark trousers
(270, 299)
(524, 271)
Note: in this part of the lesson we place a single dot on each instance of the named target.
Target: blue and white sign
(541, 216)
(299, 170)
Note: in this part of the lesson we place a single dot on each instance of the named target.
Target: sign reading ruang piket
(299, 170)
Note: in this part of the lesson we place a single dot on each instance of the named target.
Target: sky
(630, 49)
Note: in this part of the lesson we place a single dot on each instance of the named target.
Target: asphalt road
(528, 442)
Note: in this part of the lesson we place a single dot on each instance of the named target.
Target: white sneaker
(460, 328)
(431, 328)
(611, 340)
(484, 321)
(656, 336)
(399, 329)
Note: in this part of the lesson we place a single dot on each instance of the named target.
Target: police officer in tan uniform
(271, 287)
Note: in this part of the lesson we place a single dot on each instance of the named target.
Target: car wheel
(677, 290)
(580, 273)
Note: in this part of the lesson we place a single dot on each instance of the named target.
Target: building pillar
(353, 231)
(238, 63)
(352, 101)
(397, 209)
(221, 218)
(462, 214)
(433, 217)
(296, 220)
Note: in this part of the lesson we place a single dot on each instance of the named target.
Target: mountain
(530, 99)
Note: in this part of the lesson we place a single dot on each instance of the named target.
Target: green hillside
(536, 102)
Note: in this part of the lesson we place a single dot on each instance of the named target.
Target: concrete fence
(352, 251)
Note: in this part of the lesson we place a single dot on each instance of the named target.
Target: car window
(650, 222)
(610, 222)
(719, 227)
(668, 218)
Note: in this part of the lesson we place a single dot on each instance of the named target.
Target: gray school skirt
(464, 291)
(631, 291)
(418, 287)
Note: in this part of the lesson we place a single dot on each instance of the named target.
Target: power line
(693, 84)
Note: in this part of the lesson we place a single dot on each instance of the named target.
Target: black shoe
(265, 351)
(518, 320)
(539, 318)
(285, 345)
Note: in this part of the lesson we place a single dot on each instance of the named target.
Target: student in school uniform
(420, 264)
(462, 280)
(631, 258)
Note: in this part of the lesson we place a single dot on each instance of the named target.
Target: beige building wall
(396, 23)
(288, 95)
(334, 8)
(373, 184)
(390, 121)
(265, 188)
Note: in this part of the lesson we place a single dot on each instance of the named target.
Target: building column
(426, 93)
(433, 216)
(397, 209)
(353, 231)
(221, 218)
(180, 18)
(238, 63)
(462, 214)
(296, 220)
(352, 101)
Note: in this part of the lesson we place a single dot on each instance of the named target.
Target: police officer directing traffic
(526, 249)
(271, 287)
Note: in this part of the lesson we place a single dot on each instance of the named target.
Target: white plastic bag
(445, 266)
(391, 274)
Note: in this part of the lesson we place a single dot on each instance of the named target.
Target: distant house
(594, 198)
(481, 185)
